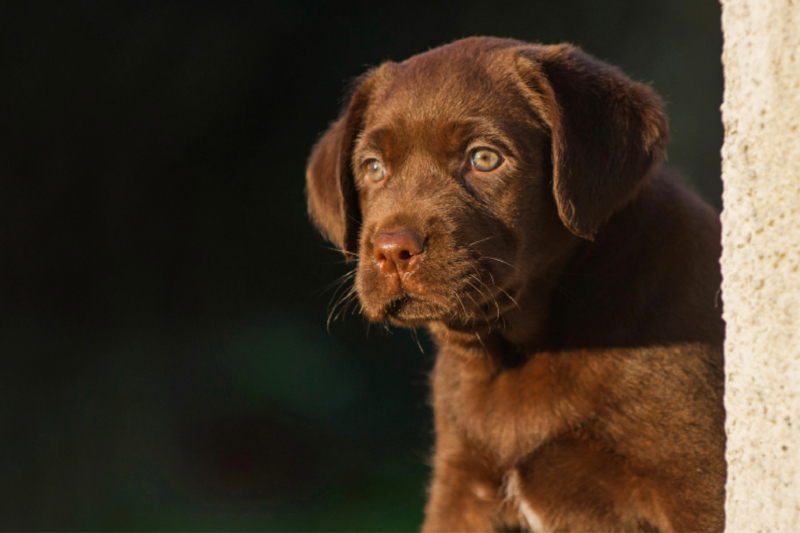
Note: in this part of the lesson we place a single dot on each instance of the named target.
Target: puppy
(509, 197)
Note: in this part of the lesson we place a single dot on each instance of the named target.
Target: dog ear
(330, 189)
(608, 133)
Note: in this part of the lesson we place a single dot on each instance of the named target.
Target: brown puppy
(509, 197)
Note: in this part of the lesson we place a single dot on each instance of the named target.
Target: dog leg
(466, 494)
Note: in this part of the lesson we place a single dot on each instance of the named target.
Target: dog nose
(397, 252)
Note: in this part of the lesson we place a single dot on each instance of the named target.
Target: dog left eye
(375, 170)
(485, 160)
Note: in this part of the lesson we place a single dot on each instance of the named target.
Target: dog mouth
(461, 309)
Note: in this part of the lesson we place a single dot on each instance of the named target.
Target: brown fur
(571, 291)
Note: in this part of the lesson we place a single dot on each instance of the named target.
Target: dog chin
(410, 311)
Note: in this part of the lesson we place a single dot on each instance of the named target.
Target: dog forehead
(447, 81)
(434, 94)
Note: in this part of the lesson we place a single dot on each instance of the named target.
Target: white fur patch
(534, 523)
(528, 517)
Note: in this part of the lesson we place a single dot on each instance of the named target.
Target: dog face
(462, 175)
(447, 178)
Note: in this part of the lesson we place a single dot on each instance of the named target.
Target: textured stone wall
(761, 262)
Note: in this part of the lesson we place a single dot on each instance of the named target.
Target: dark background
(164, 358)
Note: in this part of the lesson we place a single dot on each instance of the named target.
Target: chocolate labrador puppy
(509, 197)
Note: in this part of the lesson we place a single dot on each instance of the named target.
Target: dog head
(460, 175)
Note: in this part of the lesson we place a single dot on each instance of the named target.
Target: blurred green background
(165, 358)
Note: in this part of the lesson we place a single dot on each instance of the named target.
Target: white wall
(761, 262)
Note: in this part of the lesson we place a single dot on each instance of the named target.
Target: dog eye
(485, 160)
(375, 170)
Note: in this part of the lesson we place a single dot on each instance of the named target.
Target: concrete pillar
(761, 262)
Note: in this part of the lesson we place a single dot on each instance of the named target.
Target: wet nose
(397, 252)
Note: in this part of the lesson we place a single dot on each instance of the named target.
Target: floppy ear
(608, 133)
(330, 190)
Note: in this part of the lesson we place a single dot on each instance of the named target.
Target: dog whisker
(342, 262)
(496, 286)
(476, 289)
(509, 297)
(499, 261)
(494, 300)
(478, 307)
(416, 338)
(340, 304)
(337, 294)
(481, 341)
(481, 240)
(339, 281)
(353, 255)
(348, 301)
(465, 316)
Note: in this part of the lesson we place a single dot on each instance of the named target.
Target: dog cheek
(365, 290)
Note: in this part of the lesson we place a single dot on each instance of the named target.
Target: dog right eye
(375, 170)
(485, 160)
